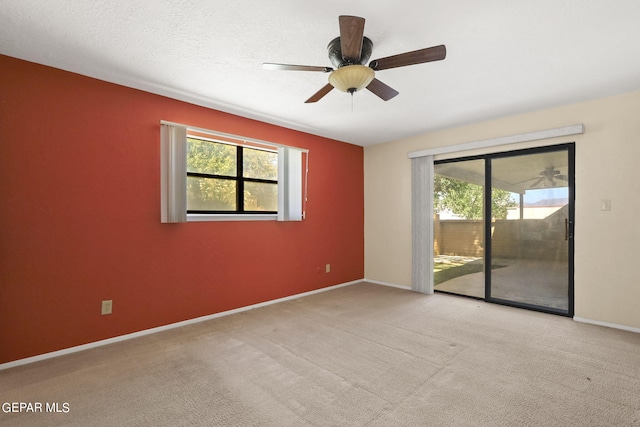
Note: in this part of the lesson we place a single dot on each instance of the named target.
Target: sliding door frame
(487, 256)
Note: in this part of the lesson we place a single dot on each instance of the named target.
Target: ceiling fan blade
(562, 177)
(319, 94)
(351, 33)
(523, 181)
(537, 182)
(435, 53)
(382, 90)
(271, 66)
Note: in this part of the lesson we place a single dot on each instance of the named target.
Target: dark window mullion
(240, 181)
(209, 175)
(263, 181)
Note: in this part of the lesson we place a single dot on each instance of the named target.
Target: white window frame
(173, 176)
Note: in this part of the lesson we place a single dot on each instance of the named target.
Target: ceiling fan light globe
(351, 78)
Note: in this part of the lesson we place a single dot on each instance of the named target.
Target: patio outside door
(527, 228)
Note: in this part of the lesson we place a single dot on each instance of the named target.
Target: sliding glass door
(519, 250)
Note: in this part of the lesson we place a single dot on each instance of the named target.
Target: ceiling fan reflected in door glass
(350, 52)
(549, 177)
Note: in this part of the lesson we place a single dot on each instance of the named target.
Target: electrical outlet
(327, 268)
(107, 307)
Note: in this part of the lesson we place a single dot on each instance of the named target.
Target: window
(210, 176)
(226, 178)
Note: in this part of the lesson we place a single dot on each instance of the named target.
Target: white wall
(607, 243)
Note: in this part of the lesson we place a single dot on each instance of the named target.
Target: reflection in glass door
(513, 212)
(530, 245)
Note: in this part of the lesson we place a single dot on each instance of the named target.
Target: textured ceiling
(503, 57)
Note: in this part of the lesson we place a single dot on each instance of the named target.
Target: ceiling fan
(350, 52)
(549, 175)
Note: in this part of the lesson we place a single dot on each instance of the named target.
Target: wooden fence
(521, 238)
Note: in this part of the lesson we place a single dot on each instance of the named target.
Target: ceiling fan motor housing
(335, 53)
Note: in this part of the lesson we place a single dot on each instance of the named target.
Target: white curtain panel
(289, 184)
(422, 224)
(173, 173)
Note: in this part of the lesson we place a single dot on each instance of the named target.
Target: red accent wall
(80, 217)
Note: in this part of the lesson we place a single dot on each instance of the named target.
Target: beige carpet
(363, 355)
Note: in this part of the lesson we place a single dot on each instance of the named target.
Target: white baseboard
(138, 334)
(607, 324)
(393, 285)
